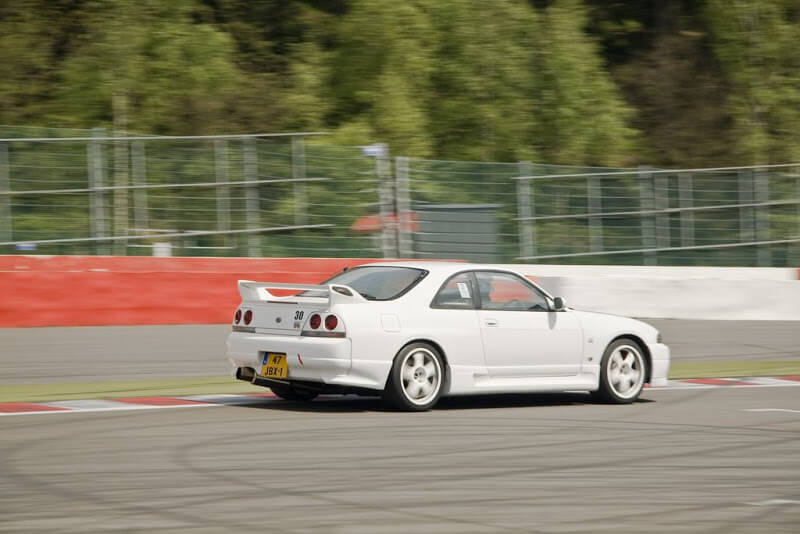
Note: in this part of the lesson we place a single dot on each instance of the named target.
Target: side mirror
(559, 304)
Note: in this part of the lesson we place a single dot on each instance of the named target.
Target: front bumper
(659, 360)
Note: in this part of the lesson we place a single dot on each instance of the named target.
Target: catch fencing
(235, 195)
(294, 195)
(734, 216)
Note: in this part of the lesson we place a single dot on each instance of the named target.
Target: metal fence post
(647, 220)
(404, 214)
(5, 200)
(525, 210)
(761, 193)
(223, 192)
(139, 175)
(252, 213)
(746, 223)
(594, 193)
(299, 173)
(120, 194)
(388, 234)
(686, 201)
(97, 208)
(661, 202)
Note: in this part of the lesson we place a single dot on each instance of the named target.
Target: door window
(456, 293)
(505, 291)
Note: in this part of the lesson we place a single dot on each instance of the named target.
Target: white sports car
(414, 331)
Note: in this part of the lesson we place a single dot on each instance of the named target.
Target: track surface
(688, 461)
(87, 354)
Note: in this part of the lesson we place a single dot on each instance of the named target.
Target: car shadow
(354, 404)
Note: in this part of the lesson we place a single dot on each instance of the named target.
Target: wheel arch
(439, 349)
(645, 352)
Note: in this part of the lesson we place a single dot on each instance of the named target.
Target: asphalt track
(678, 461)
(695, 460)
(88, 354)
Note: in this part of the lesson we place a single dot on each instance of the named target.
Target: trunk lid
(286, 309)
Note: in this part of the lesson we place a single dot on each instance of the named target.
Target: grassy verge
(706, 369)
(226, 384)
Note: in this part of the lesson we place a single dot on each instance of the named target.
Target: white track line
(200, 401)
(115, 409)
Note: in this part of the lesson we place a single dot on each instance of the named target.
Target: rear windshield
(379, 283)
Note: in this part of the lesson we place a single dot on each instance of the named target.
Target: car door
(522, 336)
(454, 315)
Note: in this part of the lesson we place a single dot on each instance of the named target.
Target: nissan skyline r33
(413, 332)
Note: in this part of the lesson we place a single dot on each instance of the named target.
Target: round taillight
(248, 316)
(315, 321)
(331, 321)
(237, 316)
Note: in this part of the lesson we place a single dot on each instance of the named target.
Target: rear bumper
(660, 357)
(309, 358)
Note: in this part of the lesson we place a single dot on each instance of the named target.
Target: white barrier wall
(675, 292)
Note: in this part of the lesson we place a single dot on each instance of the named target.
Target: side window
(456, 293)
(504, 291)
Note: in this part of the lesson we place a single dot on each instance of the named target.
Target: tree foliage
(756, 43)
(561, 81)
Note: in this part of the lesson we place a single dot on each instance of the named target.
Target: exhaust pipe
(245, 373)
(248, 374)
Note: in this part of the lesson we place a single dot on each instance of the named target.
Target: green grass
(226, 384)
(707, 369)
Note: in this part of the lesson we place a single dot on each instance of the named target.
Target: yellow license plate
(274, 365)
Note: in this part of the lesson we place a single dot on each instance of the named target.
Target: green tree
(31, 40)
(147, 66)
(482, 105)
(380, 75)
(581, 116)
(756, 43)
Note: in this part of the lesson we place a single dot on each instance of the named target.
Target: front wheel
(416, 379)
(622, 372)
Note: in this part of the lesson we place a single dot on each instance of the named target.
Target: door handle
(491, 322)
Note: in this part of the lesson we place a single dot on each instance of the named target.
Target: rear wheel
(293, 394)
(416, 379)
(622, 372)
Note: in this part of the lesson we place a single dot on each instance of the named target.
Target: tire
(292, 394)
(416, 379)
(623, 370)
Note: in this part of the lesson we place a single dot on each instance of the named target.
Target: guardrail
(95, 290)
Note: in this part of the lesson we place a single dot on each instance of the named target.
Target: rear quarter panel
(379, 330)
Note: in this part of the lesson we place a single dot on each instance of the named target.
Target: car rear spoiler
(250, 290)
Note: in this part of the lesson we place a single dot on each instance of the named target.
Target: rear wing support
(335, 293)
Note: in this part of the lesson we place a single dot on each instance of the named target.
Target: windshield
(378, 283)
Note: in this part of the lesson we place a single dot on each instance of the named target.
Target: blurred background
(593, 132)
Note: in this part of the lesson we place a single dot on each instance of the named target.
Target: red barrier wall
(111, 290)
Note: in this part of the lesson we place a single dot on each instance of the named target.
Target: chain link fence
(744, 216)
(88, 192)
(255, 195)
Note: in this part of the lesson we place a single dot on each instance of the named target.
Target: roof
(442, 266)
